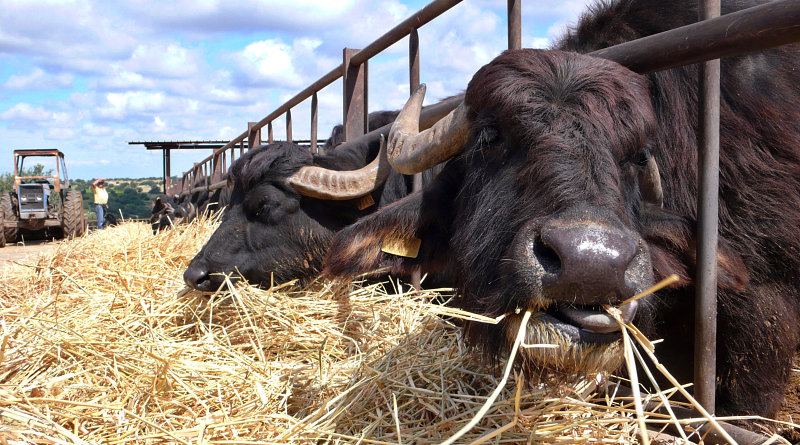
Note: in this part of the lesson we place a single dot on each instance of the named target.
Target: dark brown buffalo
(572, 183)
(285, 206)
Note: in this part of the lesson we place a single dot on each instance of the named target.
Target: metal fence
(757, 28)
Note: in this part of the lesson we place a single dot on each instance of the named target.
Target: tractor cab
(41, 200)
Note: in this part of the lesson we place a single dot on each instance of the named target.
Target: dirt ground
(16, 252)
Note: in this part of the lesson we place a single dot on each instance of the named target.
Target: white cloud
(60, 134)
(25, 112)
(163, 60)
(158, 125)
(265, 63)
(96, 130)
(538, 42)
(120, 79)
(38, 79)
(120, 105)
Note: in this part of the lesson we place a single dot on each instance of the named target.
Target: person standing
(100, 200)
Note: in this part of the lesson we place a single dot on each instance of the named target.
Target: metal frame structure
(769, 25)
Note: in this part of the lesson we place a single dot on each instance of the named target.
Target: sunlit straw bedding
(101, 343)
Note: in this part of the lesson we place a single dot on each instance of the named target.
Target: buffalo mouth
(585, 323)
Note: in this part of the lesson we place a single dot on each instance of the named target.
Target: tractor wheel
(7, 210)
(73, 221)
(2, 232)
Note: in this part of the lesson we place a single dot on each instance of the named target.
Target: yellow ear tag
(405, 247)
(365, 201)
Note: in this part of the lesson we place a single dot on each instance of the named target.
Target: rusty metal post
(270, 138)
(167, 173)
(514, 24)
(225, 163)
(289, 125)
(253, 135)
(705, 344)
(413, 83)
(314, 119)
(354, 110)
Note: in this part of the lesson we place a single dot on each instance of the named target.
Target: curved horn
(411, 151)
(322, 183)
(650, 183)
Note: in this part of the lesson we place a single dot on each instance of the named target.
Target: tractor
(41, 202)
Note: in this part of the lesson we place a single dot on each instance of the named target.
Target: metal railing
(753, 29)
(209, 173)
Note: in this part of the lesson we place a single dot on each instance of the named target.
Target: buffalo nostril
(546, 256)
(593, 260)
(193, 276)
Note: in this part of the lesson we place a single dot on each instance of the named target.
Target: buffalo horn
(412, 151)
(650, 183)
(322, 183)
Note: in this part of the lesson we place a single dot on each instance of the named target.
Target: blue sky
(88, 76)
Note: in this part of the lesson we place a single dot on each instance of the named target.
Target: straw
(101, 342)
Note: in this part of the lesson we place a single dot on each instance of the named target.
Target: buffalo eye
(263, 212)
(488, 135)
(642, 158)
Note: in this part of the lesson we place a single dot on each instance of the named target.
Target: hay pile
(100, 342)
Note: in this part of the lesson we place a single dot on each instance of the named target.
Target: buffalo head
(551, 201)
(284, 206)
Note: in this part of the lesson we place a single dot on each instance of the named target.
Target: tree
(7, 179)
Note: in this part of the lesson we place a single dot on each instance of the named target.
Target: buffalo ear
(408, 235)
(672, 242)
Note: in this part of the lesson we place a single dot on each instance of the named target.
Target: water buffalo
(572, 183)
(284, 207)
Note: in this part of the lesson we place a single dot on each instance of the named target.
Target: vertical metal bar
(705, 344)
(413, 59)
(314, 119)
(413, 83)
(289, 125)
(365, 106)
(270, 138)
(253, 135)
(514, 24)
(213, 168)
(167, 172)
(353, 109)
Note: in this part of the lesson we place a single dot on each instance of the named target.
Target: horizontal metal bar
(421, 17)
(208, 188)
(757, 28)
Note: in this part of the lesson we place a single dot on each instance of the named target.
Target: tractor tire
(73, 221)
(10, 234)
